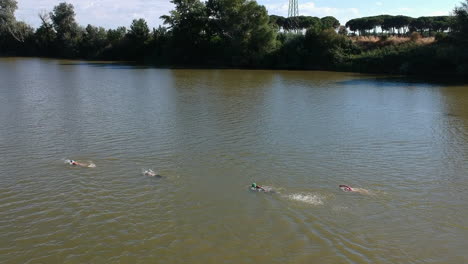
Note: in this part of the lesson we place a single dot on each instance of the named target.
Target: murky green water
(211, 133)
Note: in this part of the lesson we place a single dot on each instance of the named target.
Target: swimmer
(151, 173)
(258, 188)
(347, 188)
(75, 163)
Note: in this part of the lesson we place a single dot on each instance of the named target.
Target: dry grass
(370, 42)
(366, 39)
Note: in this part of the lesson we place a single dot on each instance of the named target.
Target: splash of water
(89, 164)
(308, 198)
(149, 173)
(266, 189)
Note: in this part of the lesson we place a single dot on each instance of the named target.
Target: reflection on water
(210, 134)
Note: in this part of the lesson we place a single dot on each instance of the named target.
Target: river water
(210, 134)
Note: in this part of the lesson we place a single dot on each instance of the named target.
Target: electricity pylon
(293, 8)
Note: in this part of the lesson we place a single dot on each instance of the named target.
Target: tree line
(400, 24)
(304, 22)
(241, 33)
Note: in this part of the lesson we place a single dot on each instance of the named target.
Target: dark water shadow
(398, 81)
(384, 81)
(111, 65)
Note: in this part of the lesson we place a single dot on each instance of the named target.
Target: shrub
(415, 36)
(440, 36)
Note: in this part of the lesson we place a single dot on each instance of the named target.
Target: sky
(114, 13)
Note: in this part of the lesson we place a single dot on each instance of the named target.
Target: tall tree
(330, 22)
(136, 41)
(139, 31)
(68, 31)
(45, 35)
(244, 29)
(189, 18)
(7, 13)
(8, 24)
(461, 22)
(187, 24)
(114, 36)
(63, 18)
(93, 42)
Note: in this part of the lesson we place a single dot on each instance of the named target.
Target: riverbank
(408, 60)
(323, 50)
(245, 36)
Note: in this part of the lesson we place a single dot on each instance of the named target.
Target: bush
(415, 36)
(342, 30)
(439, 36)
(384, 38)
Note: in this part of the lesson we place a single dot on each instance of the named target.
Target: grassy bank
(241, 34)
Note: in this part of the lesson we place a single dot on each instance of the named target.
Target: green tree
(117, 44)
(278, 21)
(188, 20)
(360, 25)
(187, 24)
(308, 22)
(93, 42)
(68, 31)
(7, 14)
(461, 22)
(326, 49)
(9, 27)
(342, 30)
(115, 36)
(63, 18)
(441, 23)
(243, 28)
(402, 23)
(330, 22)
(139, 31)
(158, 44)
(45, 36)
(135, 45)
(420, 24)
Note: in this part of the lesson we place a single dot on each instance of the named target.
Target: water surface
(210, 133)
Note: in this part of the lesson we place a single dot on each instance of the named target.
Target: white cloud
(106, 13)
(439, 13)
(114, 13)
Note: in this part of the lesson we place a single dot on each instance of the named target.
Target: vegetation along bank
(241, 34)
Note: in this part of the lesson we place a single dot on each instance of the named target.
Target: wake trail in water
(269, 189)
(303, 197)
(308, 198)
(88, 164)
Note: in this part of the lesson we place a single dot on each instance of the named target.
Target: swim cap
(254, 185)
